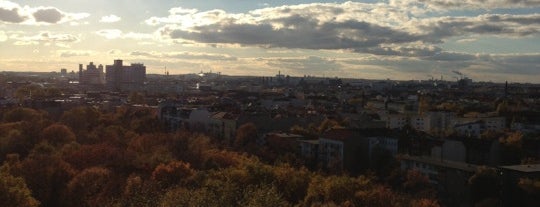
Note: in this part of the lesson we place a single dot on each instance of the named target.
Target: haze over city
(493, 40)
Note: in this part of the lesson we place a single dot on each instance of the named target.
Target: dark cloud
(49, 15)
(298, 32)
(11, 15)
(302, 27)
(438, 29)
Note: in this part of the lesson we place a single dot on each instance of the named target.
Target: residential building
(450, 177)
(93, 75)
(119, 76)
(223, 125)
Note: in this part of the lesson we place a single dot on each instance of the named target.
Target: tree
(81, 120)
(13, 190)
(417, 184)
(46, 174)
(136, 98)
(260, 196)
(172, 173)
(292, 182)
(512, 149)
(24, 114)
(58, 134)
(85, 188)
(246, 135)
(327, 124)
(484, 184)
(85, 156)
(138, 193)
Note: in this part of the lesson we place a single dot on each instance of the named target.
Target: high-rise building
(63, 72)
(119, 76)
(92, 75)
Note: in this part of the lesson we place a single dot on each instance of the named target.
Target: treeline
(91, 158)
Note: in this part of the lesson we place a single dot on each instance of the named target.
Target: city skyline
(493, 40)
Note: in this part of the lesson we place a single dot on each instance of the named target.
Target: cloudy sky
(487, 40)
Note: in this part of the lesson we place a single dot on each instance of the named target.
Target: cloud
(119, 34)
(49, 15)
(11, 12)
(11, 15)
(185, 56)
(46, 38)
(379, 29)
(3, 36)
(110, 33)
(110, 19)
(469, 4)
(74, 53)
(306, 65)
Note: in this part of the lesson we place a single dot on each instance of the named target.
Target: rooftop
(523, 168)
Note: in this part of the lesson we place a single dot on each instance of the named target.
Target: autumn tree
(333, 189)
(484, 184)
(292, 182)
(85, 156)
(136, 98)
(58, 134)
(246, 135)
(261, 196)
(24, 114)
(172, 173)
(46, 174)
(14, 191)
(511, 148)
(139, 193)
(85, 188)
(149, 150)
(327, 124)
(418, 184)
(81, 120)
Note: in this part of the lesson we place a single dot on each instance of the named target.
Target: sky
(486, 40)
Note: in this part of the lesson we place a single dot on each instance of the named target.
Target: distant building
(223, 125)
(63, 72)
(119, 76)
(352, 150)
(450, 177)
(474, 127)
(92, 75)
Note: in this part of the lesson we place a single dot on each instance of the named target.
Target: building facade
(119, 76)
(93, 75)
